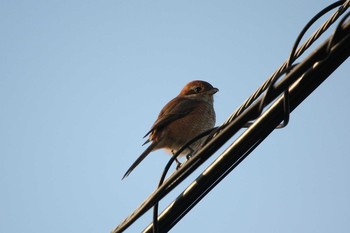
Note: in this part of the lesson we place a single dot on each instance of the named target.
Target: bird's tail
(140, 158)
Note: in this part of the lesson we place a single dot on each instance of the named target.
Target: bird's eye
(197, 89)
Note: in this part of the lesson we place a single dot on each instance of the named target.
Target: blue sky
(82, 81)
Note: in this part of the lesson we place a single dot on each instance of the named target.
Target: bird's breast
(180, 131)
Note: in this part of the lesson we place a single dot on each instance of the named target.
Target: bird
(189, 114)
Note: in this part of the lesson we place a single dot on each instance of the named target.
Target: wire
(317, 70)
(282, 87)
(294, 54)
(167, 167)
(267, 89)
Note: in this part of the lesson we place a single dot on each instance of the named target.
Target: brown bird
(183, 118)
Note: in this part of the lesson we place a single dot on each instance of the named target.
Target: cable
(295, 83)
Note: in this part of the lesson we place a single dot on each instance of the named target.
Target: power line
(282, 92)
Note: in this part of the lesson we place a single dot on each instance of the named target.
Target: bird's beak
(213, 91)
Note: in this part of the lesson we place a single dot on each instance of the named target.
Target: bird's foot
(189, 155)
(178, 164)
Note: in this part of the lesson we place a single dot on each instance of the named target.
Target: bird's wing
(174, 110)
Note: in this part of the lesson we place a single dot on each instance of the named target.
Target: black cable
(248, 109)
(286, 104)
(293, 56)
(337, 31)
(167, 167)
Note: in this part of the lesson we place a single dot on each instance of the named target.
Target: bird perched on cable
(183, 118)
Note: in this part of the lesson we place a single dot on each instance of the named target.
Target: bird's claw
(189, 156)
(178, 164)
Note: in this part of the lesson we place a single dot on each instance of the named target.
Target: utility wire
(294, 88)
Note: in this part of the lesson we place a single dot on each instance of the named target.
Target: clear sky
(81, 82)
